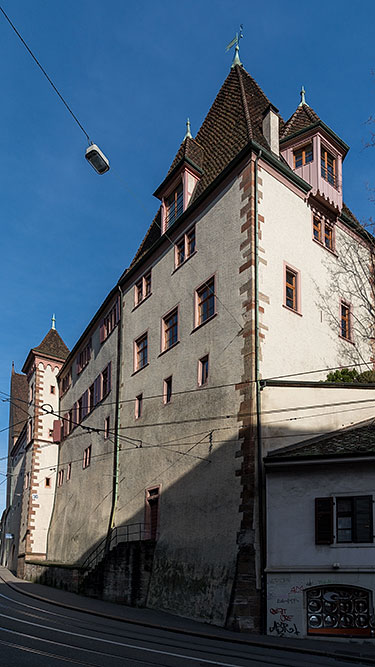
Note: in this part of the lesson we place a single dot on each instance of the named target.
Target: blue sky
(132, 73)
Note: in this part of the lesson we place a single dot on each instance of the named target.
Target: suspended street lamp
(97, 159)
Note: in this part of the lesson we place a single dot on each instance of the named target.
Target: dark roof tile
(19, 391)
(303, 117)
(52, 345)
(356, 440)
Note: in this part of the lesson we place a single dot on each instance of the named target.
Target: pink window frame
(165, 402)
(180, 179)
(184, 238)
(138, 403)
(162, 328)
(196, 309)
(203, 384)
(135, 367)
(289, 267)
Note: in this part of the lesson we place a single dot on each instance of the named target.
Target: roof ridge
(244, 103)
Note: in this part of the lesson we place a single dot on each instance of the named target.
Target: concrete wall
(294, 561)
(199, 516)
(82, 504)
(10, 547)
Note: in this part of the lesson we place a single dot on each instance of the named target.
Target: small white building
(320, 536)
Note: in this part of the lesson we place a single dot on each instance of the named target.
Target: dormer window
(328, 167)
(174, 206)
(303, 156)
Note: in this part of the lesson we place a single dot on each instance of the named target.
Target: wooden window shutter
(323, 520)
(363, 519)
(102, 331)
(117, 309)
(57, 431)
(75, 414)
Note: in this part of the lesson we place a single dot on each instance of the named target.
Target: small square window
(47, 482)
(170, 329)
(51, 432)
(203, 371)
(205, 299)
(60, 478)
(138, 406)
(141, 352)
(167, 390)
(87, 457)
(52, 388)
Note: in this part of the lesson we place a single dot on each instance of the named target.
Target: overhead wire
(45, 73)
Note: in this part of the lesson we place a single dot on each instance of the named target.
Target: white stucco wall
(293, 342)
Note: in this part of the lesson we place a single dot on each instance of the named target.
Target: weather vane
(235, 42)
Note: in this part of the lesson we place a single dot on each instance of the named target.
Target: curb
(193, 633)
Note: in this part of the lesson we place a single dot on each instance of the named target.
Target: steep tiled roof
(356, 440)
(188, 149)
(303, 117)
(52, 345)
(235, 117)
(18, 406)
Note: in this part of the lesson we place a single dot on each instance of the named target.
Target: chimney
(271, 128)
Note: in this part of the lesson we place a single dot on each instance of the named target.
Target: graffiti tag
(283, 629)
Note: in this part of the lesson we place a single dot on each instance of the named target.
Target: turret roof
(52, 345)
(303, 117)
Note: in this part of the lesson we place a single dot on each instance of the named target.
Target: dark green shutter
(362, 519)
(323, 520)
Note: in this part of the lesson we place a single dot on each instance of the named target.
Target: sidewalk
(164, 621)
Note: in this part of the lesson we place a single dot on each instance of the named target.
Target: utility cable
(45, 73)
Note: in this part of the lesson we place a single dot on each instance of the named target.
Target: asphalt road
(36, 634)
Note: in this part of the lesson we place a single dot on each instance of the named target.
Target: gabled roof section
(358, 440)
(52, 345)
(235, 117)
(303, 117)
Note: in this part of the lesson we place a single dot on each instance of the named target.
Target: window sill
(139, 369)
(183, 263)
(291, 310)
(168, 348)
(199, 326)
(321, 244)
(140, 302)
(347, 340)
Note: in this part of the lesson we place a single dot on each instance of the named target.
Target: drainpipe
(260, 472)
(117, 421)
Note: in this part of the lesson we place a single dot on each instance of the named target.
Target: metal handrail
(131, 532)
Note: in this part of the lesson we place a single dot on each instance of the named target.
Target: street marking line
(125, 645)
